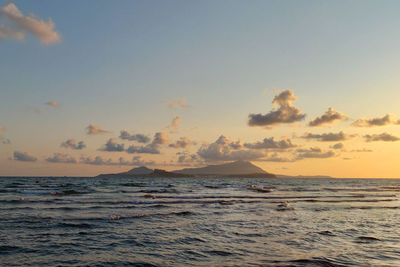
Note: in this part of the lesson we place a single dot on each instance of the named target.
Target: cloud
(98, 160)
(270, 143)
(53, 104)
(24, 156)
(6, 33)
(372, 122)
(112, 146)
(141, 138)
(386, 137)
(187, 159)
(314, 152)
(147, 149)
(338, 146)
(223, 149)
(4, 141)
(71, 143)
(274, 157)
(43, 30)
(329, 137)
(183, 142)
(175, 123)
(61, 158)
(362, 150)
(160, 138)
(329, 117)
(93, 129)
(177, 103)
(286, 113)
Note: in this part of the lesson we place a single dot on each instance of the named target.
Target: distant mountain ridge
(232, 168)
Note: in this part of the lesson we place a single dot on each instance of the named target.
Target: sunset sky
(296, 87)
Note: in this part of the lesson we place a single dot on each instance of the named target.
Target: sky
(296, 87)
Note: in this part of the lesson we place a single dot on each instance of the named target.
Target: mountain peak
(140, 170)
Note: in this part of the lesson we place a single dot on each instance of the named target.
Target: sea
(199, 222)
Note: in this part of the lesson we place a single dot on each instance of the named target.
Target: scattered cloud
(24, 156)
(140, 138)
(223, 149)
(274, 157)
(112, 146)
(160, 138)
(329, 117)
(183, 142)
(6, 33)
(93, 129)
(98, 160)
(41, 29)
(61, 158)
(329, 137)
(53, 104)
(314, 152)
(270, 143)
(286, 113)
(362, 150)
(187, 159)
(338, 146)
(386, 137)
(177, 103)
(373, 122)
(174, 124)
(4, 141)
(73, 144)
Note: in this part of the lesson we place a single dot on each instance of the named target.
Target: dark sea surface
(199, 222)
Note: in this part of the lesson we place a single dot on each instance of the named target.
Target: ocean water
(199, 222)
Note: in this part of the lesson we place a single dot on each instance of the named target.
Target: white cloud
(41, 29)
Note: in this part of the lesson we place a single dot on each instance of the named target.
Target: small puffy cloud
(386, 137)
(275, 157)
(112, 146)
(160, 138)
(223, 149)
(140, 138)
(329, 117)
(147, 149)
(24, 156)
(98, 160)
(372, 122)
(41, 29)
(314, 152)
(6, 33)
(93, 129)
(177, 103)
(73, 144)
(187, 159)
(61, 158)
(286, 113)
(53, 104)
(175, 123)
(362, 150)
(329, 137)
(270, 143)
(183, 142)
(5, 141)
(338, 146)
(95, 161)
